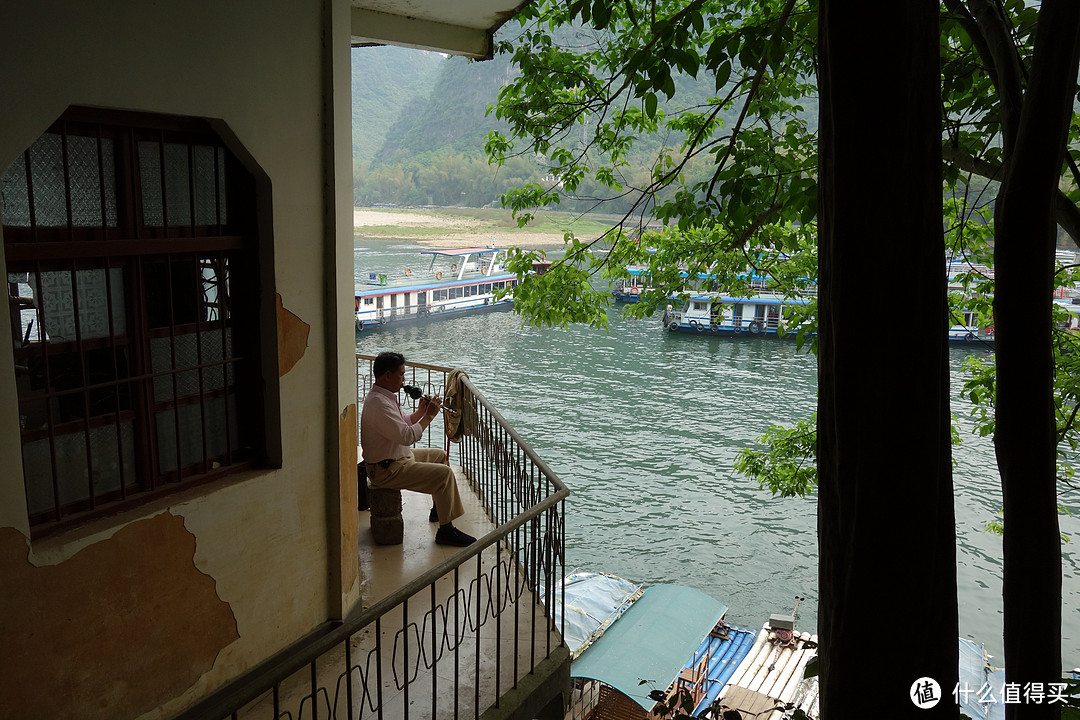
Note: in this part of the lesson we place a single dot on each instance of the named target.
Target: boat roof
(1068, 305)
(457, 252)
(377, 290)
(650, 642)
(756, 299)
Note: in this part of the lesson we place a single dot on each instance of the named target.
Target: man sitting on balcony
(386, 437)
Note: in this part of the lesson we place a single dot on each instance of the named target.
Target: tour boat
(769, 314)
(766, 314)
(629, 290)
(455, 281)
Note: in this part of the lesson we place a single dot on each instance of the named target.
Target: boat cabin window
(701, 305)
(134, 300)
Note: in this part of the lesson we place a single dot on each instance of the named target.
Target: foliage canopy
(733, 183)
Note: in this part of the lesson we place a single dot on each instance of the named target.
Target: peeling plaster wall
(127, 622)
(292, 338)
(250, 554)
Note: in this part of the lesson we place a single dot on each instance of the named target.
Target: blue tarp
(650, 642)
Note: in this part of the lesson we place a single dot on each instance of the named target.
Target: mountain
(385, 81)
(452, 117)
(420, 121)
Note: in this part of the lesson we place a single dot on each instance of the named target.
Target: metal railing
(453, 641)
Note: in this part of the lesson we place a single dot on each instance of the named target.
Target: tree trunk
(1026, 437)
(887, 537)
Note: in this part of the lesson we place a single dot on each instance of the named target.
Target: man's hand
(430, 407)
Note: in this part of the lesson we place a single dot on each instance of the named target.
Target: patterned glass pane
(161, 362)
(223, 215)
(187, 356)
(47, 176)
(85, 173)
(14, 198)
(73, 465)
(54, 306)
(72, 475)
(213, 376)
(150, 180)
(106, 453)
(37, 469)
(206, 195)
(177, 184)
(220, 433)
(161, 358)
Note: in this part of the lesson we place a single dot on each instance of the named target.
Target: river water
(643, 426)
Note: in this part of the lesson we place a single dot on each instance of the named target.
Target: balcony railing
(452, 642)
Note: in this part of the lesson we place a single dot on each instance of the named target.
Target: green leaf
(650, 104)
(601, 13)
(723, 72)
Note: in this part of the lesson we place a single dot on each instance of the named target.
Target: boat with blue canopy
(767, 314)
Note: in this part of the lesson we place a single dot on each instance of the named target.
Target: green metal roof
(652, 641)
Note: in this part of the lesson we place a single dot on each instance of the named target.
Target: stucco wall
(262, 540)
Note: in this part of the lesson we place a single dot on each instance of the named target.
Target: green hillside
(385, 80)
(453, 117)
(420, 120)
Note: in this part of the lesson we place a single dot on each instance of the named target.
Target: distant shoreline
(442, 229)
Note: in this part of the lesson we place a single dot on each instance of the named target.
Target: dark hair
(386, 362)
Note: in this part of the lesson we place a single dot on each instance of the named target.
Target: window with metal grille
(131, 252)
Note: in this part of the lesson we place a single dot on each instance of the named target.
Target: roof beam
(377, 28)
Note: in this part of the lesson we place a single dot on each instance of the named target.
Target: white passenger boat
(453, 281)
(766, 314)
(769, 314)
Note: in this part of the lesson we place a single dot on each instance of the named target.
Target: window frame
(226, 254)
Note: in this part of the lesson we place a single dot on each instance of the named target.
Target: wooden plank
(749, 703)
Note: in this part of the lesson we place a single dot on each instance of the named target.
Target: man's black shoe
(450, 535)
(433, 516)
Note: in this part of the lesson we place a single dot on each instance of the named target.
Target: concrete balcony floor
(464, 683)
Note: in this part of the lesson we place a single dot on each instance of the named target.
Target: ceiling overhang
(463, 27)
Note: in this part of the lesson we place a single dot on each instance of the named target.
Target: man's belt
(384, 463)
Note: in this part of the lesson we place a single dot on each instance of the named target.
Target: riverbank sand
(437, 230)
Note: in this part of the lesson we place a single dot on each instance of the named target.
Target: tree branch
(1066, 213)
(758, 77)
(1007, 73)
